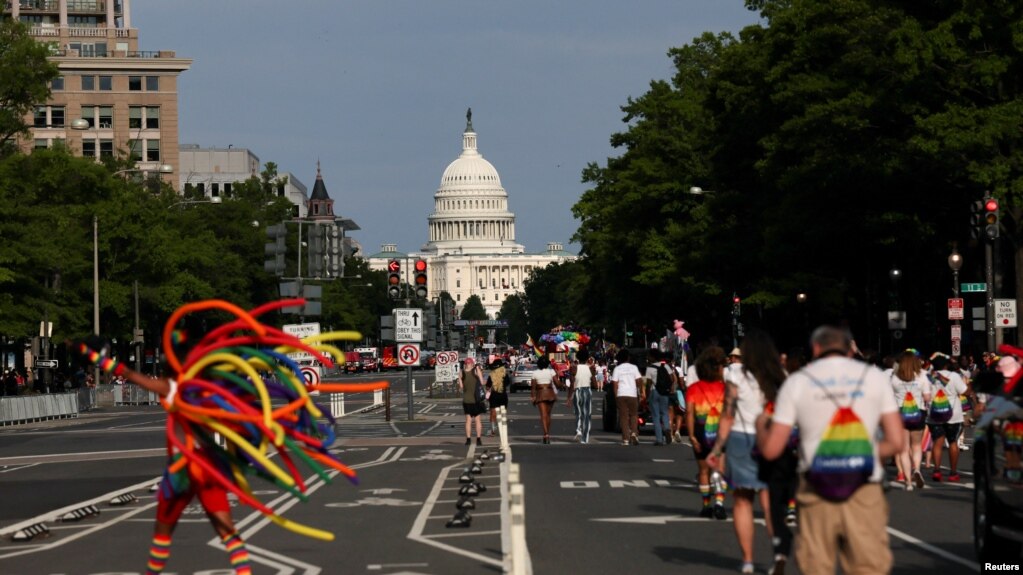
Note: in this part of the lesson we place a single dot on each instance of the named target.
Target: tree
(473, 309)
(513, 311)
(25, 76)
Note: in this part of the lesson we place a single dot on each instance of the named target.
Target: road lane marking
(380, 566)
(665, 519)
(84, 456)
(972, 565)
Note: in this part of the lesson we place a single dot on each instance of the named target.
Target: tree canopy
(25, 76)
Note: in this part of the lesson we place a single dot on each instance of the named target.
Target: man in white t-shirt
(853, 529)
(626, 380)
(951, 385)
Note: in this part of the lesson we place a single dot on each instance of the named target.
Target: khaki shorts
(854, 531)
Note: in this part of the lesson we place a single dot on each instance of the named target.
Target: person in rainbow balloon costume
(224, 385)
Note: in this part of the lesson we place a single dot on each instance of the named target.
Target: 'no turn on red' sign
(1005, 313)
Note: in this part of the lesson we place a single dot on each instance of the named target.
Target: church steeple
(321, 207)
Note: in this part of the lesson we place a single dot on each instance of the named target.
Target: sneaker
(918, 479)
(954, 478)
(625, 443)
(468, 441)
(677, 437)
(707, 512)
(936, 476)
(719, 513)
(578, 438)
(779, 566)
(746, 568)
(479, 441)
(790, 519)
(901, 477)
(909, 487)
(634, 439)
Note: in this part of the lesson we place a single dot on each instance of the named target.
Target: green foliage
(513, 310)
(25, 76)
(474, 309)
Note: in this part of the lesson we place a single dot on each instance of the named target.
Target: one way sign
(408, 324)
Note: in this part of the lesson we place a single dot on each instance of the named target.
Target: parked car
(522, 376)
(998, 473)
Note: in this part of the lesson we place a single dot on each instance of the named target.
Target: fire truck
(390, 359)
(369, 358)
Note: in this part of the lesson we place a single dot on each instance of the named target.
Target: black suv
(998, 472)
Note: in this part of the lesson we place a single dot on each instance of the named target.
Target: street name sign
(970, 288)
(49, 363)
(408, 325)
(1005, 313)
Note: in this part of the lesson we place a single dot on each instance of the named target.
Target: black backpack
(663, 384)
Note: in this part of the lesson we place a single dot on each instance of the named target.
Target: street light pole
(955, 262)
(95, 286)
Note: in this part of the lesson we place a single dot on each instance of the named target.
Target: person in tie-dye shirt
(705, 400)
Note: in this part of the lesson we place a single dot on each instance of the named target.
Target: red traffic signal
(420, 266)
(735, 299)
(991, 218)
(394, 279)
(991, 205)
(419, 278)
(394, 266)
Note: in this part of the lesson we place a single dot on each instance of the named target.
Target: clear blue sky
(377, 91)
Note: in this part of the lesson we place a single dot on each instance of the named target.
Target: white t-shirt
(804, 404)
(953, 389)
(626, 375)
(750, 402)
(583, 376)
(919, 387)
(691, 376)
(544, 376)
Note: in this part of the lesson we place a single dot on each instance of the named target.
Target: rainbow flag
(1012, 434)
(912, 416)
(532, 346)
(844, 459)
(941, 408)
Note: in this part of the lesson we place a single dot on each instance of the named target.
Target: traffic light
(315, 240)
(394, 279)
(991, 218)
(419, 276)
(736, 304)
(276, 249)
(976, 219)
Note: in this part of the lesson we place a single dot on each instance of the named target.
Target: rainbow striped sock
(159, 551)
(239, 554)
(705, 494)
(719, 497)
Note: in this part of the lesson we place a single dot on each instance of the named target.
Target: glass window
(88, 82)
(152, 83)
(152, 150)
(458, 283)
(89, 148)
(106, 148)
(280, 190)
(135, 117)
(101, 49)
(153, 117)
(89, 115)
(106, 116)
(134, 150)
(215, 189)
(58, 143)
(459, 297)
(227, 189)
(135, 83)
(40, 117)
(31, 18)
(57, 84)
(106, 83)
(201, 187)
(57, 116)
(40, 144)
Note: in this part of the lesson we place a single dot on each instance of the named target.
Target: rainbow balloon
(941, 408)
(844, 459)
(912, 416)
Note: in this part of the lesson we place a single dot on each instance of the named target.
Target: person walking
(839, 404)
(912, 390)
(581, 396)
(744, 401)
(626, 381)
(497, 390)
(544, 394)
(663, 387)
(705, 400)
(469, 380)
(945, 416)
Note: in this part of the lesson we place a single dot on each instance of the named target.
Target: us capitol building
(471, 248)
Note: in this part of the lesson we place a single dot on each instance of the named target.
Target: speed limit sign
(408, 354)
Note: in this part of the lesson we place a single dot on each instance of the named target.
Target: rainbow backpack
(941, 408)
(912, 415)
(844, 459)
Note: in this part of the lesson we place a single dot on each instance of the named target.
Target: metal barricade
(131, 394)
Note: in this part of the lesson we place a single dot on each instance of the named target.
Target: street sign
(50, 363)
(957, 332)
(970, 288)
(956, 349)
(445, 373)
(1005, 313)
(301, 330)
(408, 325)
(408, 354)
(896, 320)
(955, 308)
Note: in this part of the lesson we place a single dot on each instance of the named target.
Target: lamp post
(896, 317)
(95, 287)
(955, 263)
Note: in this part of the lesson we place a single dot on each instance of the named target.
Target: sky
(377, 90)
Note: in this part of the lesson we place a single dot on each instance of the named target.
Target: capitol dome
(471, 207)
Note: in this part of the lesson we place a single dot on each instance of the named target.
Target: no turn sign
(408, 354)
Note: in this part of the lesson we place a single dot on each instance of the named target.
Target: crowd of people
(806, 438)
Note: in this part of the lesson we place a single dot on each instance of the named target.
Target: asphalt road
(596, 509)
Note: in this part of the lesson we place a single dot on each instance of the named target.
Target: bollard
(337, 404)
(513, 474)
(504, 428)
(387, 403)
(518, 529)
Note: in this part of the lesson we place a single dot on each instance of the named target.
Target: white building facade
(214, 171)
(471, 248)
